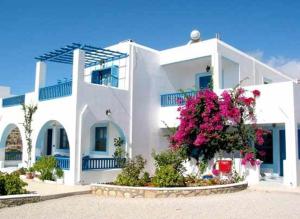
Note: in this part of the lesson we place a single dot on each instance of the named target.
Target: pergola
(93, 55)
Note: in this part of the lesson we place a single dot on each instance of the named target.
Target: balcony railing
(101, 163)
(13, 155)
(13, 101)
(56, 91)
(175, 99)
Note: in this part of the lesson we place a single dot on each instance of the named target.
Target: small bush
(46, 166)
(11, 184)
(21, 171)
(167, 176)
(132, 172)
(59, 172)
(171, 157)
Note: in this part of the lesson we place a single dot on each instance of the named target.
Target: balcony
(56, 91)
(13, 101)
(101, 163)
(175, 99)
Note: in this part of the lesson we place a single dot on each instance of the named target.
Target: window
(203, 81)
(107, 76)
(267, 147)
(63, 139)
(100, 139)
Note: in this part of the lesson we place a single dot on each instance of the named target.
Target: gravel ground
(245, 204)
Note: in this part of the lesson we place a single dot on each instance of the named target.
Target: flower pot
(29, 175)
(225, 166)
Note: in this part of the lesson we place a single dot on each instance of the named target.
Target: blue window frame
(101, 139)
(107, 76)
(63, 139)
(203, 80)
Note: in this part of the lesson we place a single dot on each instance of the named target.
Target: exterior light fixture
(207, 68)
(108, 112)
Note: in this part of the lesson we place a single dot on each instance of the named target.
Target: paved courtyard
(245, 204)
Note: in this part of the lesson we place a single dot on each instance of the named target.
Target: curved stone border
(14, 200)
(153, 192)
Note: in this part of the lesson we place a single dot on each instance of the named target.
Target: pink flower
(200, 140)
(256, 93)
(215, 172)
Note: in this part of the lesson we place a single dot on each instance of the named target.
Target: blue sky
(30, 28)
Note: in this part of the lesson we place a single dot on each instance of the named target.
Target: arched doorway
(52, 140)
(12, 145)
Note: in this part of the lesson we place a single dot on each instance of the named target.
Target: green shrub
(59, 172)
(46, 166)
(11, 184)
(171, 157)
(21, 171)
(132, 172)
(167, 176)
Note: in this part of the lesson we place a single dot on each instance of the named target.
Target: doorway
(49, 142)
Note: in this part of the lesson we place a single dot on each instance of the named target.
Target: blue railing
(13, 101)
(13, 155)
(62, 161)
(56, 91)
(102, 163)
(175, 99)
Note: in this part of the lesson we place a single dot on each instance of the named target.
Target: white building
(129, 91)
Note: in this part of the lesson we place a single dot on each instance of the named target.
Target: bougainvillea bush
(211, 124)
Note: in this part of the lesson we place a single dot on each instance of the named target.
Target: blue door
(282, 150)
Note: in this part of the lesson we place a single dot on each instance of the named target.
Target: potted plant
(30, 173)
(59, 175)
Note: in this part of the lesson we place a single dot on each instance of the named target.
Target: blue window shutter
(100, 138)
(204, 81)
(61, 138)
(114, 75)
(95, 77)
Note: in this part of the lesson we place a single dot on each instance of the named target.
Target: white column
(291, 172)
(217, 70)
(74, 140)
(78, 70)
(40, 76)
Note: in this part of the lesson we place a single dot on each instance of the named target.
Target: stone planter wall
(150, 192)
(14, 200)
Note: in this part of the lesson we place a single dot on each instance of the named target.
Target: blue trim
(13, 101)
(175, 99)
(101, 163)
(55, 91)
(198, 75)
(93, 55)
(111, 76)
